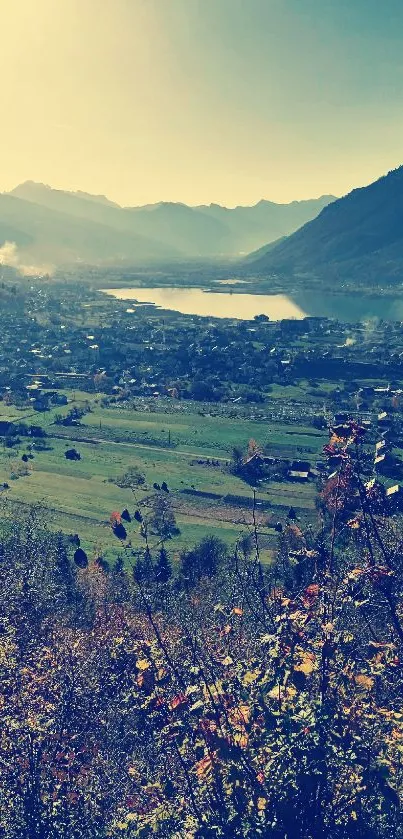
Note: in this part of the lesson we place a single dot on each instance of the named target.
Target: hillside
(248, 226)
(358, 237)
(47, 236)
(209, 230)
(58, 226)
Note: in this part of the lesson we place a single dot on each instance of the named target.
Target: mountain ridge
(358, 235)
(156, 232)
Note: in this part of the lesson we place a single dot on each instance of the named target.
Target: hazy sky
(201, 100)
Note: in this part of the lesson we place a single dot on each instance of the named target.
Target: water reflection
(350, 307)
(194, 301)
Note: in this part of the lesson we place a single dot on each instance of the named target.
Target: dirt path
(137, 446)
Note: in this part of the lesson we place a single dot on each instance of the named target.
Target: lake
(195, 301)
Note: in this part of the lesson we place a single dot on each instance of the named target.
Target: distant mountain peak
(35, 189)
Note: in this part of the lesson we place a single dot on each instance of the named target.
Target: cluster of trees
(13, 431)
(158, 521)
(211, 698)
(73, 416)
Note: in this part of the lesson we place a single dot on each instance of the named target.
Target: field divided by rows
(81, 495)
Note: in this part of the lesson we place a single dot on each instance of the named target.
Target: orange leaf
(204, 767)
(178, 701)
(364, 681)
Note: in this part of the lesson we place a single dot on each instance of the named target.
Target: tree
(319, 421)
(162, 518)
(148, 571)
(202, 390)
(119, 531)
(163, 567)
(130, 479)
(246, 544)
(220, 714)
(237, 456)
(253, 448)
(204, 559)
(80, 558)
(72, 454)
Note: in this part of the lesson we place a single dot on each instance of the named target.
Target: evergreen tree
(163, 568)
(204, 559)
(118, 567)
(138, 571)
(148, 567)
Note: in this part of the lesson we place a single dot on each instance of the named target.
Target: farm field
(79, 496)
(198, 434)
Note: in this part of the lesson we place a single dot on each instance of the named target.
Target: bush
(130, 479)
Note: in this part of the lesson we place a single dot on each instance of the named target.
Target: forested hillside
(356, 237)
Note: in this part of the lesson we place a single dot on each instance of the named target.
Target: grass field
(198, 434)
(79, 496)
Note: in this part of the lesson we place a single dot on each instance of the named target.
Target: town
(226, 410)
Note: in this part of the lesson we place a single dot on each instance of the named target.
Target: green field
(199, 434)
(79, 496)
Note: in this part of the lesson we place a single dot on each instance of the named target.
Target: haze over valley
(201, 419)
(56, 227)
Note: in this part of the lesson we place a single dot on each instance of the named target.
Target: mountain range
(358, 237)
(54, 227)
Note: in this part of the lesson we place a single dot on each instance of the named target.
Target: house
(300, 470)
(394, 497)
(389, 465)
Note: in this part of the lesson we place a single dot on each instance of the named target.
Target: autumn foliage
(248, 702)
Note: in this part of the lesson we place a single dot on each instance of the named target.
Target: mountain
(188, 229)
(47, 237)
(211, 230)
(358, 237)
(248, 226)
(57, 226)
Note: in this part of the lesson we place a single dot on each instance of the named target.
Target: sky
(201, 101)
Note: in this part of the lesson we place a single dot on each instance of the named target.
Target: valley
(181, 399)
(201, 419)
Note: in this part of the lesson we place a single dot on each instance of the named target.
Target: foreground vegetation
(221, 699)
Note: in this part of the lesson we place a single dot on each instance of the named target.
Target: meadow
(188, 449)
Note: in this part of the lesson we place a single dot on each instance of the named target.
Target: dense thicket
(226, 700)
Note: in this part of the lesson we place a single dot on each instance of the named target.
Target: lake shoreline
(240, 303)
